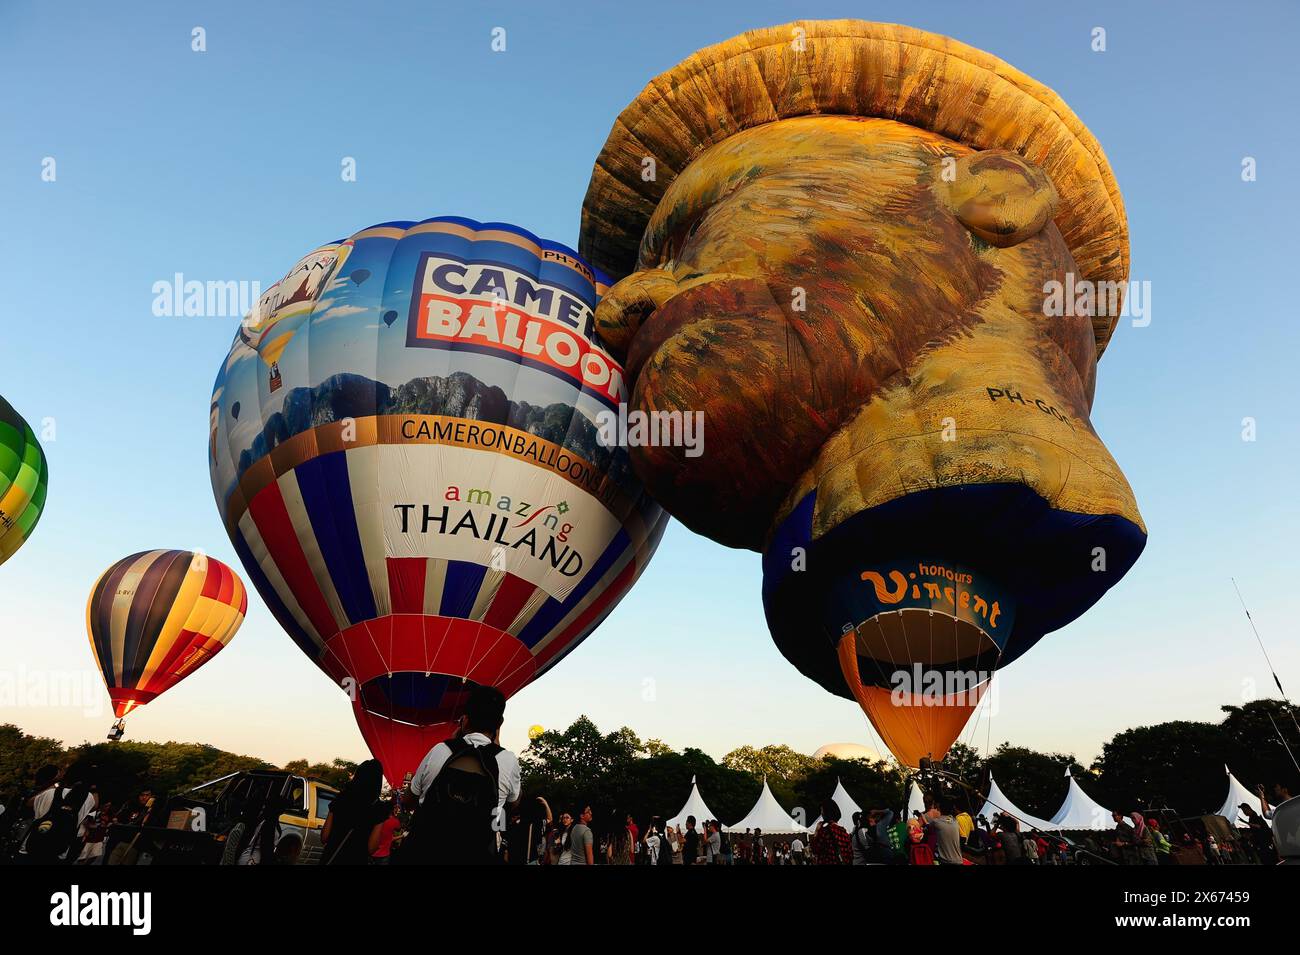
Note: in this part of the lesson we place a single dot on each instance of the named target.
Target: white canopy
(767, 815)
(1081, 811)
(694, 807)
(997, 802)
(847, 807)
(1237, 794)
(915, 801)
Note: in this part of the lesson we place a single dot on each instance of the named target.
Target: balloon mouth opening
(124, 701)
(911, 659)
(416, 699)
(918, 675)
(904, 638)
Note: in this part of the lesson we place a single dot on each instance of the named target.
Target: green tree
(965, 763)
(1259, 736)
(780, 764)
(872, 785)
(336, 773)
(581, 764)
(21, 755)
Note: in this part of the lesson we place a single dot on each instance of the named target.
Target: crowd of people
(464, 805)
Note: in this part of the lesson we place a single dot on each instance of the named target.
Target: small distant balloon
(360, 275)
(157, 616)
(535, 731)
(234, 411)
(390, 316)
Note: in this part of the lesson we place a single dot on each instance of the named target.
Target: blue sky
(226, 165)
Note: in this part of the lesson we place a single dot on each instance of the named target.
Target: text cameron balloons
(24, 475)
(415, 482)
(156, 617)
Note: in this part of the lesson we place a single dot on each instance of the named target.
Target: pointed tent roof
(998, 802)
(1237, 794)
(694, 807)
(1081, 811)
(767, 815)
(847, 806)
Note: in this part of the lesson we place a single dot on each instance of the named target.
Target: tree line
(1176, 765)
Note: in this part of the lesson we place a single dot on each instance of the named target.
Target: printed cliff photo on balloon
(692, 434)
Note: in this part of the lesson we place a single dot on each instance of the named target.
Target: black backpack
(53, 833)
(454, 821)
(665, 856)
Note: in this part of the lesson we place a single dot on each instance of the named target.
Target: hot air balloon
(425, 503)
(24, 475)
(156, 617)
(846, 264)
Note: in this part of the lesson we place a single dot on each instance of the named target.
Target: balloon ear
(1000, 196)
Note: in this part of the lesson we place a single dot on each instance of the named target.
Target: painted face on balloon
(831, 293)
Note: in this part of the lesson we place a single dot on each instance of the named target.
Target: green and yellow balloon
(24, 474)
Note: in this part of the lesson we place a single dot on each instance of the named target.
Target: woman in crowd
(353, 816)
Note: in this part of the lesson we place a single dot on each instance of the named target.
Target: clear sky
(225, 165)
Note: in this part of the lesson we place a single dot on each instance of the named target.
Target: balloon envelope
(156, 617)
(24, 475)
(431, 507)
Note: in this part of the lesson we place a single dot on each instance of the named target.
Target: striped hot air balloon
(24, 475)
(156, 617)
(415, 481)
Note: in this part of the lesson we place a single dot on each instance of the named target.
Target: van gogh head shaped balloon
(836, 240)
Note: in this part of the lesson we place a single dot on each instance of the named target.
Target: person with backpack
(882, 850)
(464, 787)
(21, 824)
(57, 813)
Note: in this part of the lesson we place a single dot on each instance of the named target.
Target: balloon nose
(629, 303)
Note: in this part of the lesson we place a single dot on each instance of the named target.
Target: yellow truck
(223, 822)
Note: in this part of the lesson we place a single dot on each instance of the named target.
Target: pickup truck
(213, 823)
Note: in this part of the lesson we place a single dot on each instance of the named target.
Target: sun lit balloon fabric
(156, 617)
(404, 450)
(850, 261)
(24, 475)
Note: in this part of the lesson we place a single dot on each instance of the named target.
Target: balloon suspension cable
(1287, 700)
(1284, 742)
(972, 790)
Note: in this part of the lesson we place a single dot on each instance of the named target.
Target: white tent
(846, 805)
(767, 815)
(915, 801)
(1237, 794)
(694, 807)
(1081, 811)
(997, 802)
